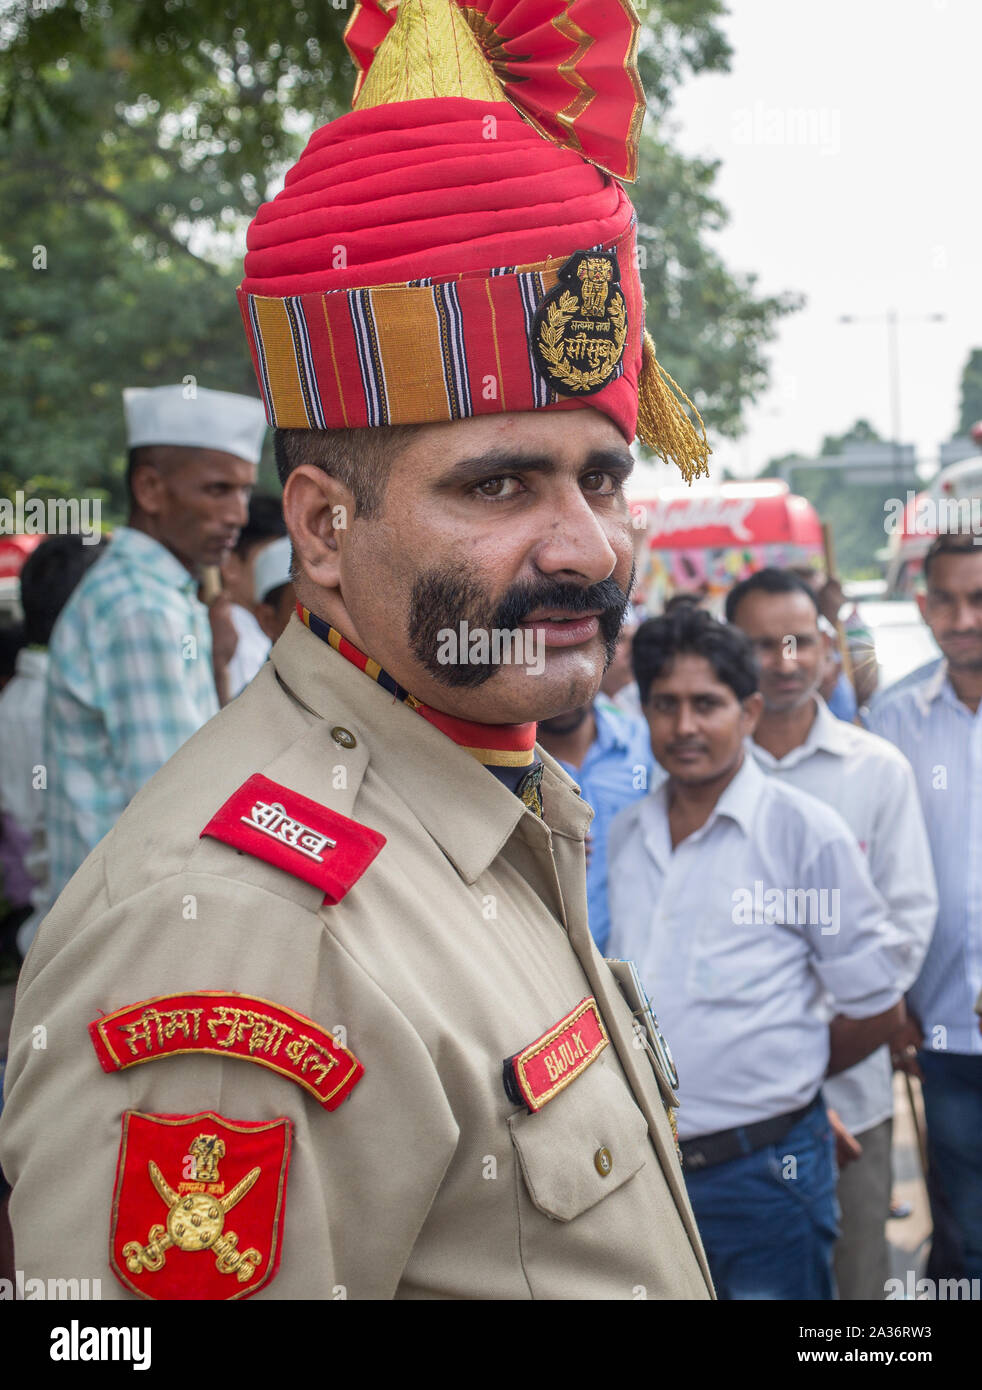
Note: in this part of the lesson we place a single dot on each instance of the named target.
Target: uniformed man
(322, 1016)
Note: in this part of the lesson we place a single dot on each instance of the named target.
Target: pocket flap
(565, 1148)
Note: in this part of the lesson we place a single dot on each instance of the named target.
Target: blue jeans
(769, 1220)
(953, 1110)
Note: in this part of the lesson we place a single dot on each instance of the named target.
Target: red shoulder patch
(296, 834)
(198, 1205)
(229, 1025)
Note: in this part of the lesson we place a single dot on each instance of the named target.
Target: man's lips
(686, 753)
(560, 628)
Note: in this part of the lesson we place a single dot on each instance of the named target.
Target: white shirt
(872, 787)
(736, 963)
(942, 739)
(251, 650)
(21, 751)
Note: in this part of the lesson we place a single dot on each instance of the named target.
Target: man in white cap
(130, 675)
(275, 596)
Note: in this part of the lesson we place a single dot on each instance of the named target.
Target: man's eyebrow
(501, 462)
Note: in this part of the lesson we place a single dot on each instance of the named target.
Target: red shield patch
(198, 1205)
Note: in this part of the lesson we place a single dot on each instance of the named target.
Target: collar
(739, 802)
(612, 726)
(468, 813)
(932, 688)
(149, 555)
(827, 734)
(494, 745)
(32, 662)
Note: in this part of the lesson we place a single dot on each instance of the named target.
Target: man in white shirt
(46, 583)
(936, 721)
(264, 526)
(747, 904)
(872, 787)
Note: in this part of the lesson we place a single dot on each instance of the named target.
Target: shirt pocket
(582, 1146)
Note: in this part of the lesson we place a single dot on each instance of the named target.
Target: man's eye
(498, 487)
(603, 483)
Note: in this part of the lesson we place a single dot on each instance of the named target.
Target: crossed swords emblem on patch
(196, 1220)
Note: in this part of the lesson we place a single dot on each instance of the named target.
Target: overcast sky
(849, 133)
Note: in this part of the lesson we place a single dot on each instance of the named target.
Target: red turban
(435, 258)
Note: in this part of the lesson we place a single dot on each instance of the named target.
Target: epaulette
(295, 834)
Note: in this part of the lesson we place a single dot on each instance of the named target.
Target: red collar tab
(497, 745)
(296, 834)
(547, 1066)
(198, 1205)
(229, 1025)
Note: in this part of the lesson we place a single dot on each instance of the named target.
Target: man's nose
(685, 720)
(575, 543)
(236, 510)
(967, 615)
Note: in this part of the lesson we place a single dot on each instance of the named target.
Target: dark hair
(360, 459)
(47, 580)
(265, 523)
(274, 595)
(767, 581)
(686, 630)
(11, 641)
(683, 596)
(950, 543)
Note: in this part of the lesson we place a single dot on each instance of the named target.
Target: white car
(903, 640)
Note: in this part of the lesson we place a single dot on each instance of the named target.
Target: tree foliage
(138, 137)
(970, 412)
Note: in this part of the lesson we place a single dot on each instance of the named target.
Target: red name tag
(229, 1025)
(544, 1068)
(296, 834)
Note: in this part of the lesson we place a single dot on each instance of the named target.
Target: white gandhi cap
(195, 418)
(271, 567)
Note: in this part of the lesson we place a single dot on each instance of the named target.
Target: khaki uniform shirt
(465, 940)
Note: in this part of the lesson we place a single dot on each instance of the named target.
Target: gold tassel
(663, 424)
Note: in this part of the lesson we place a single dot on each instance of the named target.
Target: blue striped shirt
(619, 768)
(129, 680)
(942, 740)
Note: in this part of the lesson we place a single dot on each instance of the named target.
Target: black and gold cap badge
(580, 328)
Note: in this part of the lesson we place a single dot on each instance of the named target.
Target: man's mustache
(606, 596)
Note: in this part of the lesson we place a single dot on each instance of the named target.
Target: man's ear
(318, 510)
(147, 489)
(753, 708)
(922, 605)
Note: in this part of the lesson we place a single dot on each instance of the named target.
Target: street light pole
(893, 321)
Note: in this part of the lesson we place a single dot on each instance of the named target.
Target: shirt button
(603, 1162)
(344, 737)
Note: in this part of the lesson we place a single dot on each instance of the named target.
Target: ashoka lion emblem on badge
(580, 328)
